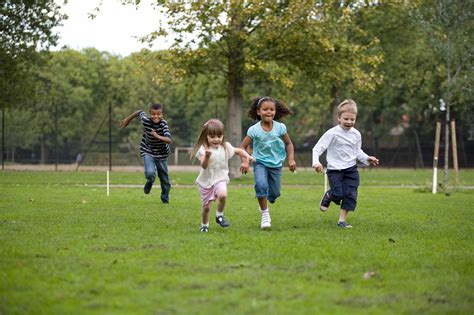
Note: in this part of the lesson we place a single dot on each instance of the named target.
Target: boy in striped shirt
(154, 148)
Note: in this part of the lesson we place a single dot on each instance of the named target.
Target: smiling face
(214, 141)
(347, 120)
(266, 111)
(156, 115)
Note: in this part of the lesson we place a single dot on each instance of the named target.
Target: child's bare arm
(162, 138)
(124, 123)
(290, 152)
(245, 157)
(204, 159)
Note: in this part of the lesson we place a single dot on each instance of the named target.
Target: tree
(241, 39)
(26, 27)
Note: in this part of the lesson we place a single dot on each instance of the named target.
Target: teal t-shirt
(268, 147)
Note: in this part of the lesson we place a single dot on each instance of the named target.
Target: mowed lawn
(67, 248)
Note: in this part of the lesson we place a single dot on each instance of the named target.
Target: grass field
(67, 248)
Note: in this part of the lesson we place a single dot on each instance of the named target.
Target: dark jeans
(153, 166)
(343, 187)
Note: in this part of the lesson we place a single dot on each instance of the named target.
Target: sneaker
(266, 221)
(222, 221)
(147, 187)
(325, 202)
(204, 229)
(344, 225)
(164, 200)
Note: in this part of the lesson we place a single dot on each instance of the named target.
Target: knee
(150, 176)
(206, 209)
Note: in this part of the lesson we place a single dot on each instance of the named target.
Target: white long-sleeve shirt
(343, 148)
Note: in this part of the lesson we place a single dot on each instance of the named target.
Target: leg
(261, 184)
(221, 195)
(162, 167)
(274, 184)
(205, 219)
(150, 171)
(261, 192)
(350, 184)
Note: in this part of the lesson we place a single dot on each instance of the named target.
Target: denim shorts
(267, 181)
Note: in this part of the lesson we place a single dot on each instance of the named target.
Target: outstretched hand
(124, 123)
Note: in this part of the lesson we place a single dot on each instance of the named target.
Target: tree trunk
(336, 100)
(235, 84)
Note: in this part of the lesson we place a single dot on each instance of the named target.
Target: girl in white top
(214, 154)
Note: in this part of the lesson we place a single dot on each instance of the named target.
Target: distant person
(154, 147)
(343, 144)
(214, 154)
(271, 144)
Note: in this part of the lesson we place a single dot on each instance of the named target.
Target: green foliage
(26, 27)
(67, 248)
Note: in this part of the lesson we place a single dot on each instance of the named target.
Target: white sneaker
(266, 221)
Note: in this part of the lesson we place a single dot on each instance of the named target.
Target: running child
(343, 144)
(154, 148)
(214, 153)
(270, 145)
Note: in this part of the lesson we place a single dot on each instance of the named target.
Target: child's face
(347, 120)
(215, 141)
(156, 115)
(266, 111)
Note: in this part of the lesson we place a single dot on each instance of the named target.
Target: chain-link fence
(107, 146)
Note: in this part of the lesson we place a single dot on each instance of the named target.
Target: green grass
(65, 247)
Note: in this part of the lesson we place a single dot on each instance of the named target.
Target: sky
(115, 28)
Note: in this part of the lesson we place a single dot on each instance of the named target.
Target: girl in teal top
(271, 144)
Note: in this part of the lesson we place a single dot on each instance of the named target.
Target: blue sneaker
(325, 202)
(222, 221)
(204, 229)
(344, 225)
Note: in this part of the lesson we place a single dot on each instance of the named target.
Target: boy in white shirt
(343, 144)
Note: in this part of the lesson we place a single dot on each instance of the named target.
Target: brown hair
(347, 106)
(212, 127)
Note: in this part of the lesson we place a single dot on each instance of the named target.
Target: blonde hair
(347, 106)
(212, 127)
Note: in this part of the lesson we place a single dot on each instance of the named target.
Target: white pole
(325, 182)
(108, 190)
(435, 156)
(435, 179)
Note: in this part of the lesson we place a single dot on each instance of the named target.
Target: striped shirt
(150, 145)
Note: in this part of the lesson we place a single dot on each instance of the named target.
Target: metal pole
(56, 140)
(435, 156)
(455, 152)
(110, 136)
(3, 139)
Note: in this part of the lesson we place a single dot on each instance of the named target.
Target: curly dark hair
(280, 108)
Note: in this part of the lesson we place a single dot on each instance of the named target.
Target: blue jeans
(267, 181)
(153, 166)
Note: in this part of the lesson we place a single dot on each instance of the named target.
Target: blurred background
(407, 64)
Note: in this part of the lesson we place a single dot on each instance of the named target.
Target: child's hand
(373, 160)
(208, 153)
(154, 133)
(124, 123)
(318, 167)
(292, 165)
(244, 167)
